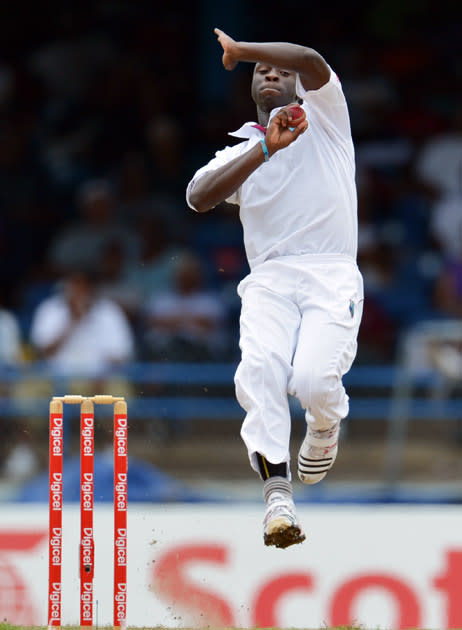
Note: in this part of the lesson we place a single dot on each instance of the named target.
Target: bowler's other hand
(229, 46)
(281, 131)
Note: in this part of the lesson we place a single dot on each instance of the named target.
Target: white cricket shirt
(303, 201)
(102, 336)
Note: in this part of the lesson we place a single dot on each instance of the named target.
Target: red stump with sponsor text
(55, 521)
(120, 514)
(87, 548)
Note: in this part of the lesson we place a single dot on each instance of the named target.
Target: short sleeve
(329, 105)
(221, 158)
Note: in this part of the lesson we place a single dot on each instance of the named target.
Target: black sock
(267, 469)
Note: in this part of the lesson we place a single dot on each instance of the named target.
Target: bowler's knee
(322, 394)
(260, 371)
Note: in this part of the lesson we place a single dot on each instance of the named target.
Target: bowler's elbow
(198, 201)
(314, 72)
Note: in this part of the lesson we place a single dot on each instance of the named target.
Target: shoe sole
(282, 535)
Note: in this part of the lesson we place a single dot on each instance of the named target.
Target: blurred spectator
(154, 271)
(112, 284)
(439, 164)
(165, 146)
(82, 244)
(447, 359)
(167, 159)
(446, 224)
(10, 338)
(21, 461)
(219, 240)
(133, 188)
(370, 96)
(186, 322)
(447, 295)
(378, 332)
(67, 64)
(78, 331)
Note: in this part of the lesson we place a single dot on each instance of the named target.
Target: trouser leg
(326, 349)
(269, 325)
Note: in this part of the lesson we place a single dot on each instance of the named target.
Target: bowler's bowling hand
(229, 45)
(281, 133)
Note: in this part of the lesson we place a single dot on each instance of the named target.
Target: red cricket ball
(298, 114)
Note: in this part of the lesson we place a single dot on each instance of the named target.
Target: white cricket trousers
(298, 329)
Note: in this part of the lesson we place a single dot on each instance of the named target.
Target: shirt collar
(248, 130)
(252, 129)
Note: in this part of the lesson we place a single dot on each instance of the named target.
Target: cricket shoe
(317, 454)
(280, 526)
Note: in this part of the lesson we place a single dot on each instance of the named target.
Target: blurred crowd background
(108, 107)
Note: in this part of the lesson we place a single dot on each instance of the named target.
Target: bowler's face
(272, 87)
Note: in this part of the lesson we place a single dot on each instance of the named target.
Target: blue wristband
(264, 148)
